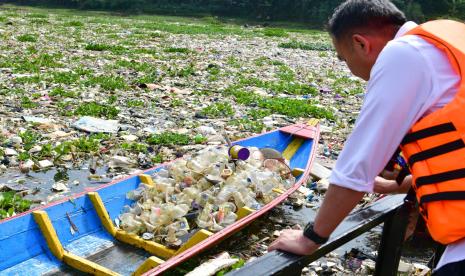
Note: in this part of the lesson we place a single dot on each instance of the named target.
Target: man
(408, 78)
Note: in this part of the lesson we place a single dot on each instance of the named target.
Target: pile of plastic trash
(203, 191)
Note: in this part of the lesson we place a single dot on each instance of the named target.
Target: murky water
(37, 185)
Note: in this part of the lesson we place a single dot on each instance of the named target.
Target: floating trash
(96, 125)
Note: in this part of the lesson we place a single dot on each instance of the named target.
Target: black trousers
(452, 269)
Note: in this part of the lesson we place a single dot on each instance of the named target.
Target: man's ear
(361, 44)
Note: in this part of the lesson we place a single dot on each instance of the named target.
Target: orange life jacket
(435, 147)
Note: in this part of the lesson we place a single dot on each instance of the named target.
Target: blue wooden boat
(77, 235)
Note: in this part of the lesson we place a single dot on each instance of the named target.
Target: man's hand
(294, 241)
(384, 186)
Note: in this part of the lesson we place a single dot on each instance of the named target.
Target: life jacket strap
(428, 132)
(404, 172)
(440, 177)
(456, 195)
(436, 151)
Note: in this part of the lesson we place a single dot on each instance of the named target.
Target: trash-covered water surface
(203, 191)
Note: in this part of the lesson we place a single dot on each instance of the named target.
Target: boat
(77, 235)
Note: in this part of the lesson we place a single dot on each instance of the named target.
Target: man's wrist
(310, 234)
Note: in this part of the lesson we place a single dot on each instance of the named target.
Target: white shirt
(410, 79)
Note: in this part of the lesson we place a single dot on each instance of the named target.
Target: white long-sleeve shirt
(410, 79)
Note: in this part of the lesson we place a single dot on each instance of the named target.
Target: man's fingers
(274, 245)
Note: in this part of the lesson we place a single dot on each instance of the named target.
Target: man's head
(360, 29)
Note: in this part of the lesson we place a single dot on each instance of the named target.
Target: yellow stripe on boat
(102, 213)
(292, 148)
(68, 258)
(86, 266)
(132, 239)
(297, 142)
(149, 246)
(199, 236)
(149, 264)
(146, 179)
(313, 122)
(49, 233)
(243, 212)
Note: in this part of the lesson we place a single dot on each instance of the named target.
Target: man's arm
(385, 186)
(336, 206)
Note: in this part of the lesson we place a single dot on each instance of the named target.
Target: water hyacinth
(202, 191)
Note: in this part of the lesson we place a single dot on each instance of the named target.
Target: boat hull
(25, 251)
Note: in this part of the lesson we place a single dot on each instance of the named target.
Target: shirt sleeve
(399, 85)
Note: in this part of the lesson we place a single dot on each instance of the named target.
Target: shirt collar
(408, 26)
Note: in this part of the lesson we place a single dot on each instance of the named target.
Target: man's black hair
(356, 14)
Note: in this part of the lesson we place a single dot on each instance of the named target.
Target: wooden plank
(86, 266)
(199, 236)
(154, 248)
(149, 264)
(243, 212)
(68, 258)
(102, 213)
(49, 233)
(292, 148)
(319, 171)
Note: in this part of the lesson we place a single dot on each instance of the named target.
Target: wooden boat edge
(237, 225)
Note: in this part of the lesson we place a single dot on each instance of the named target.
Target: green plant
(46, 151)
(61, 92)
(175, 102)
(177, 50)
(74, 24)
(134, 147)
(134, 103)
(97, 47)
(116, 49)
(281, 86)
(258, 113)
(36, 95)
(285, 106)
(65, 108)
(23, 156)
(30, 138)
(11, 203)
(285, 73)
(240, 263)
(248, 125)
(183, 72)
(216, 110)
(31, 79)
(86, 144)
(62, 149)
(27, 38)
(275, 32)
(65, 77)
(97, 110)
(112, 99)
(233, 62)
(157, 159)
(168, 139)
(315, 46)
(110, 82)
(200, 139)
(37, 15)
(28, 103)
(39, 21)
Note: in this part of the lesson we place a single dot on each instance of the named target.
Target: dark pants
(451, 269)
